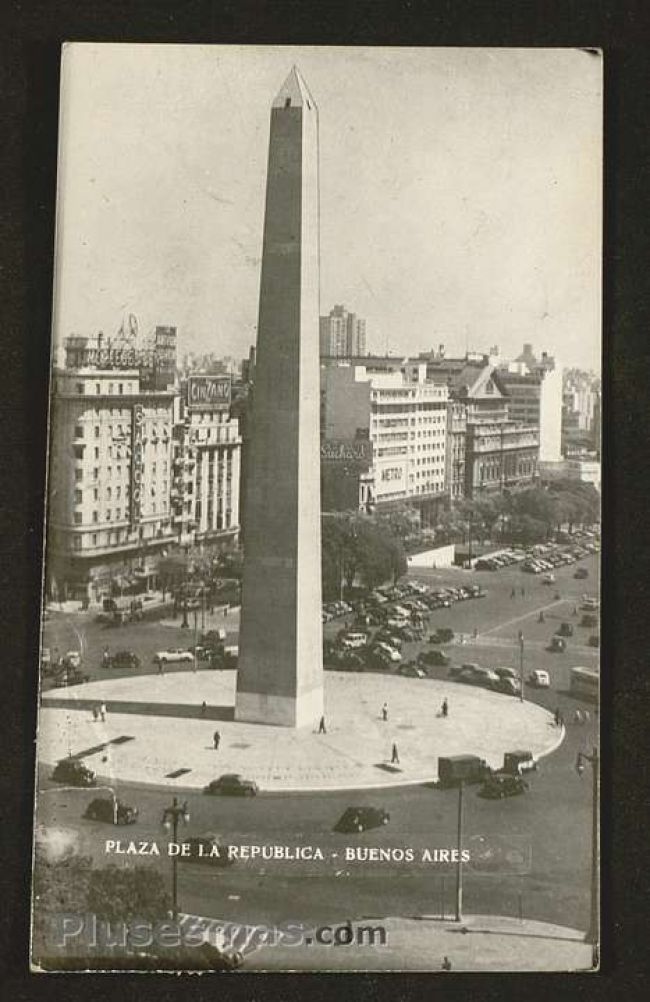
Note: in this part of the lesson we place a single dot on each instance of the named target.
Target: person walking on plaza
(556, 716)
(540, 618)
(102, 711)
(395, 755)
(512, 593)
(321, 726)
(446, 964)
(204, 708)
(217, 739)
(384, 712)
(95, 713)
(444, 709)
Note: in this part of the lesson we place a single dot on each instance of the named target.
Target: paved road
(554, 818)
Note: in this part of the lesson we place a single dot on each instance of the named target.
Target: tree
(118, 894)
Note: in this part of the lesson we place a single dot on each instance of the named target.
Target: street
(553, 819)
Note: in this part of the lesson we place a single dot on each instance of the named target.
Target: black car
(500, 785)
(123, 660)
(443, 635)
(232, 785)
(359, 819)
(434, 658)
(564, 630)
(74, 773)
(207, 849)
(115, 812)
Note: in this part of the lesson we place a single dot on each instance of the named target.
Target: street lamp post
(459, 862)
(592, 935)
(521, 666)
(170, 818)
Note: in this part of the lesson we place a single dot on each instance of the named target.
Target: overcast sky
(460, 193)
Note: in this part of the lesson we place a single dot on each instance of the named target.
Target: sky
(460, 193)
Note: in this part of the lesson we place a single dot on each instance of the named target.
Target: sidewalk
(477, 943)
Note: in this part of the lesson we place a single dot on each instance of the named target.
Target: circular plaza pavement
(157, 732)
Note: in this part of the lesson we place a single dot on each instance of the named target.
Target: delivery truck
(454, 769)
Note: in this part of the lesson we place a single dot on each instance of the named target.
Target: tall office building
(342, 334)
(280, 674)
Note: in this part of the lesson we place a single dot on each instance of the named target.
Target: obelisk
(280, 674)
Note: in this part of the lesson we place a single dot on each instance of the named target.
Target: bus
(584, 683)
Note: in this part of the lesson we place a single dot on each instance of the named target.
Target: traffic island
(174, 721)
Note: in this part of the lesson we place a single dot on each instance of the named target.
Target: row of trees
(360, 547)
(525, 517)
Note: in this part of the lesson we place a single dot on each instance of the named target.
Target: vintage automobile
(433, 658)
(359, 819)
(540, 679)
(122, 660)
(115, 812)
(171, 655)
(232, 785)
(500, 784)
(557, 645)
(74, 773)
(564, 630)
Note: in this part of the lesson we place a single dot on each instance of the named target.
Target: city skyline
(458, 227)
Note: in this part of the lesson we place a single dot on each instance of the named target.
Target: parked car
(72, 659)
(360, 819)
(74, 773)
(387, 651)
(540, 679)
(232, 785)
(500, 785)
(207, 848)
(557, 645)
(548, 579)
(564, 630)
(589, 604)
(65, 675)
(123, 660)
(171, 655)
(115, 812)
(509, 686)
(581, 573)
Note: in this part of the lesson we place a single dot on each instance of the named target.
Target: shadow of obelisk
(280, 675)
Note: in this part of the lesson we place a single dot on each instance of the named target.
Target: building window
(96, 431)
(77, 518)
(95, 515)
(96, 452)
(80, 389)
(76, 542)
(78, 497)
(108, 515)
(110, 387)
(78, 451)
(94, 538)
(78, 475)
(98, 390)
(121, 388)
(78, 431)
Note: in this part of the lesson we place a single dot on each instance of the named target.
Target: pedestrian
(95, 713)
(395, 755)
(577, 717)
(102, 711)
(445, 707)
(523, 592)
(384, 712)
(561, 723)
(540, 618)
(585, 713)
(575, 610)
(225, 611)
(556, 716)
(446, 964)
(321, 726)
(106, 657)
(204, 708)
(475, 632)
(217, 739)
(513, 593)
